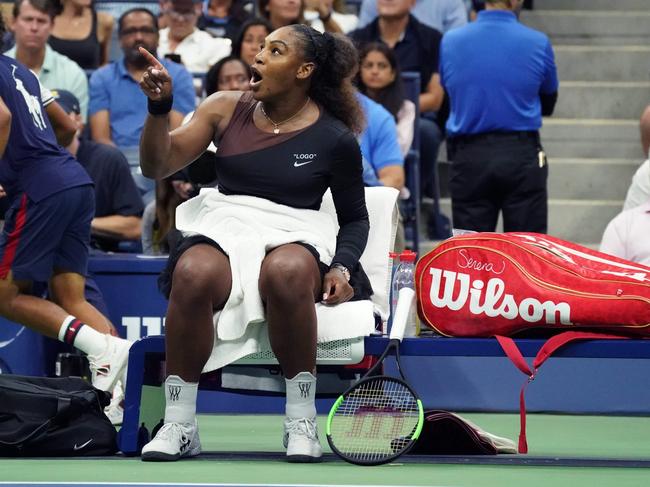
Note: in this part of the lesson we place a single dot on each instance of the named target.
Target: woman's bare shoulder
(220, 106)
(222, 102)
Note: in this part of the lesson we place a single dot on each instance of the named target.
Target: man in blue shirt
(441, 15)
(47, 229)
(117, 109)
(501, 78)
(383, 163)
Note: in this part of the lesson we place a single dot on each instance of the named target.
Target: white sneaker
(115, 410)
(110, 366)
(173, 441)
(301, 440)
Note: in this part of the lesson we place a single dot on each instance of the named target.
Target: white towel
(246, 228)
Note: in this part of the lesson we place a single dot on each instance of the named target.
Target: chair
(411, 206)
(144, 402)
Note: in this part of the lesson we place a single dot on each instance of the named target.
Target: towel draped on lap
(247, 228)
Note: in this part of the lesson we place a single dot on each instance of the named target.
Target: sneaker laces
(302, 426)
(169, 431)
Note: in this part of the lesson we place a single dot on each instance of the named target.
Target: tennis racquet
(380, 417)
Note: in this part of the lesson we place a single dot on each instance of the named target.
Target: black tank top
(87, 52)
(296, 168)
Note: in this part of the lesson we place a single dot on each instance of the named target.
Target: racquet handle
(404, 299)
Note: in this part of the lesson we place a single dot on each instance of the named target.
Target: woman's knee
(289, 275)
(201, 275)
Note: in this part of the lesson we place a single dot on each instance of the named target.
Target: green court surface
(229, 440)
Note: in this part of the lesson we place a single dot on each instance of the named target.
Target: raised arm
(162, 152)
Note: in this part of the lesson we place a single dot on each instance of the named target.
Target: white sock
(301, 395)
(81, 336)
(180, 397)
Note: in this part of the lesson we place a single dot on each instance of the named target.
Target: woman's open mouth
(256, 78)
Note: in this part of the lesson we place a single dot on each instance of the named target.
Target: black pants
(498, 172)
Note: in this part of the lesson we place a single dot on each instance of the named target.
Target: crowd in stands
(209, 45)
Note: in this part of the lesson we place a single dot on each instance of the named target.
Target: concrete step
(603, 63)
(592, 138)
(623, 5)
(573, 220)
(602, 99)
(579, 178)
(585, 179)
(591, 27)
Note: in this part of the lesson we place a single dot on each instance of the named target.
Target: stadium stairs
(602, 51)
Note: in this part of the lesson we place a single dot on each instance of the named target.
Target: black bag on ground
(446, 433)
(43, 417)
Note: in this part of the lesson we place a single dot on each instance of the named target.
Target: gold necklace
(276, 126)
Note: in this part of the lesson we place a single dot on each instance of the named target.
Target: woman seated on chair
(281, 145)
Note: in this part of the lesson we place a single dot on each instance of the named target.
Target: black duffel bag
(45, 417)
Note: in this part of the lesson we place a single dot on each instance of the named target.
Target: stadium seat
(410, 207)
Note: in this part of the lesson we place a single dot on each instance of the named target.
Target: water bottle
(392, 300)
(405, 277)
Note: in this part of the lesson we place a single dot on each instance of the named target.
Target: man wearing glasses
(117, 110)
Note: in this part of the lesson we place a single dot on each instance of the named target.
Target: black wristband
(162, 107)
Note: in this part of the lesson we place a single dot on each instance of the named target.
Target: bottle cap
(408, 256)
(392, 255)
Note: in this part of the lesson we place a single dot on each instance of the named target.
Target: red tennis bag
(489, 284)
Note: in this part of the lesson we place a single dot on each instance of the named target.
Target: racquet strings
(375, 420)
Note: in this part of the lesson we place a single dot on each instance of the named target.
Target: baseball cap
(184, 5)
(67, 100)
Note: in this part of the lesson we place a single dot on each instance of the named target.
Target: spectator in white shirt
(645, 130)
(441, 15)
(627, 235)
(197, 49)
(639, 191)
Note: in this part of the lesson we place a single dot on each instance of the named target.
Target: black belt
(495, 137)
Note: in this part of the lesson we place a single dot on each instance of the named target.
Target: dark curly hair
(336, 61)
(239, 40)
(212, 76)
(392, 95)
